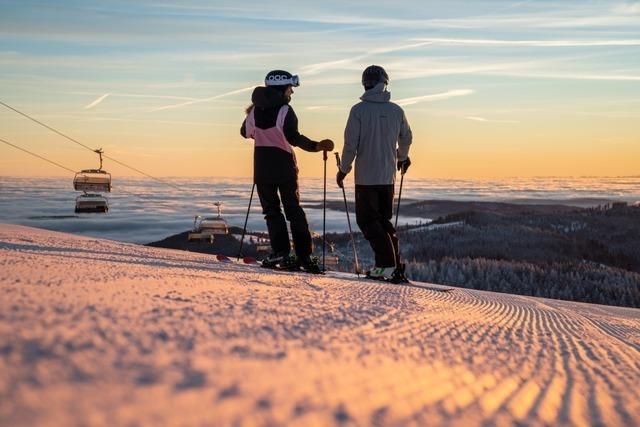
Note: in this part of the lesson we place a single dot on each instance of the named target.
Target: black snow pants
(276, 224)
(374, 210)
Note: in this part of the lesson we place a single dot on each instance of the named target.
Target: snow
(102, 333)
(430, 227)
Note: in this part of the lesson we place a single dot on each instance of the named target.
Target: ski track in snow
(97, 332)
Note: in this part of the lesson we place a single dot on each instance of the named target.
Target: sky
(491, 89)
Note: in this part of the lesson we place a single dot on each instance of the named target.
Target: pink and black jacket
(273, 126)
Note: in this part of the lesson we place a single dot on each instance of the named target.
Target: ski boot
(290, 263)
(398, 275)
(380, 273)
(274, 260)
(310, 265)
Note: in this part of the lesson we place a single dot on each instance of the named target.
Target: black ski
(291, 265)
(401, 281)
(290, 269)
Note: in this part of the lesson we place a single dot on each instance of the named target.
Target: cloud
(435, 97)
(130, 95)
(96, 102)
(560, 17)
(417, 68)
(533, 43)
(628, 8)
(570, 76)
(198, 101)
(141, 95)
(482, 119)
(344, 63)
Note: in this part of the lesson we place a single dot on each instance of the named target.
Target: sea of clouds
(143, 210)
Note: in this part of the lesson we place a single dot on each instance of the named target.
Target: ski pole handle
(337, 159)
(324, 155)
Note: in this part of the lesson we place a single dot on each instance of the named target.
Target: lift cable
(66, 168)
(37, 155)
(87, 147)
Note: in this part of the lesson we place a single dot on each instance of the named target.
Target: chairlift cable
(87, 147)
(64, 167)
(37, 155)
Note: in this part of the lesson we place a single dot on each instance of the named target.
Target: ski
(250, 261)
(348, 275)
(395, 281)
(245, 260)
(289, 269)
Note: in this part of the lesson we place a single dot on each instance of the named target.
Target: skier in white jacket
(377, 137)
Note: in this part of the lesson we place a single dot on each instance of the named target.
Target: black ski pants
(276, 224)
(374, 210)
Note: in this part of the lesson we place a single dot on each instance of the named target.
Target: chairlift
(332, 258)
(215, 225)
(197, 233)
(205, 228)
(263, 247)
(91, 203)
(96, 180)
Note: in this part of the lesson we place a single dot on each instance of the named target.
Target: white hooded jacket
(377, 135)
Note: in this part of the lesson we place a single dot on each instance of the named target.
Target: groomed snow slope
(96, 332)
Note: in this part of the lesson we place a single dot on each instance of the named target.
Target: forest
(579, 254)
(546, 250)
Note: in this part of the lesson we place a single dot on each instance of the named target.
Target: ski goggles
(282, 80)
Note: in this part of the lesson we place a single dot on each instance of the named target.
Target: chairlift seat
(91, 203)
(331, 260)
(193, 235)
(214, 225)
(92, 180)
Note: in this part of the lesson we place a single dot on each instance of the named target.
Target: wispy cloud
(142, 95)
(533, 43)
(308, 69)
(412, 69)
(96, 102)
(569, 76)
(435, 97)
(129, 95)
(628, 8)
(568, 17)
(482, 119)
(201, 100)
(343, 63)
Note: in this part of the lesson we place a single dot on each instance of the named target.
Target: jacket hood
(378, 93)
(268, 97)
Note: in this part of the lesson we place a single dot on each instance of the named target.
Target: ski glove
(324, 145)
(403, 165)
(340, 178)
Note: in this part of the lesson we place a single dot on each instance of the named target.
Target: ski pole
(324, 210)
(402, 172)
(346, 208)
(244, 229)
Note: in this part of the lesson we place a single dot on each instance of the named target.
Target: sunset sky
(490, 88)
